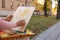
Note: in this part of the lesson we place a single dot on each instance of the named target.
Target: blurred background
(9, 6)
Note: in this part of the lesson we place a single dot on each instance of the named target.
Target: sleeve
(7, 25)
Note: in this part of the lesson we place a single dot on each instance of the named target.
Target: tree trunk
(58, 10)
(45, 8)
(50, 8)
(25, 2)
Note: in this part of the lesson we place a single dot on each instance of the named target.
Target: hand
(21, 23)
(8, 18)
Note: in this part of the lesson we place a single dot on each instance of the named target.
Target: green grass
(38, 24)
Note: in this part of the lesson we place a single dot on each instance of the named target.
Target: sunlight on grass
(38, 24)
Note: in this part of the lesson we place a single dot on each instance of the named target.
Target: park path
(53, 33)
(5, 13)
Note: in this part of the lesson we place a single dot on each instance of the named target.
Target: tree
(25, 2)
(38, 6)
(58, 10)
(49, 4)
(45, 8)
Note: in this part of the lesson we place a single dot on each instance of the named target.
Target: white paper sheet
(23, 13)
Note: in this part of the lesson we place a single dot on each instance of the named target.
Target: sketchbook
(22, 13)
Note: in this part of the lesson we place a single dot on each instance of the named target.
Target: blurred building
(13, 4)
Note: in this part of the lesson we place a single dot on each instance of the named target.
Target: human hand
(21, 23)
(8, 18)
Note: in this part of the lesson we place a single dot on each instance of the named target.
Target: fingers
(8, 18)
(21, 23)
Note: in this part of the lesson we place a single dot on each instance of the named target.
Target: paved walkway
(52, 33)
(4, 13)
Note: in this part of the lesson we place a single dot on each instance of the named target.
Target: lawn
(37, 24)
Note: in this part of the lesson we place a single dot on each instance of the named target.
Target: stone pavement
(53, 33)
(5, 13)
